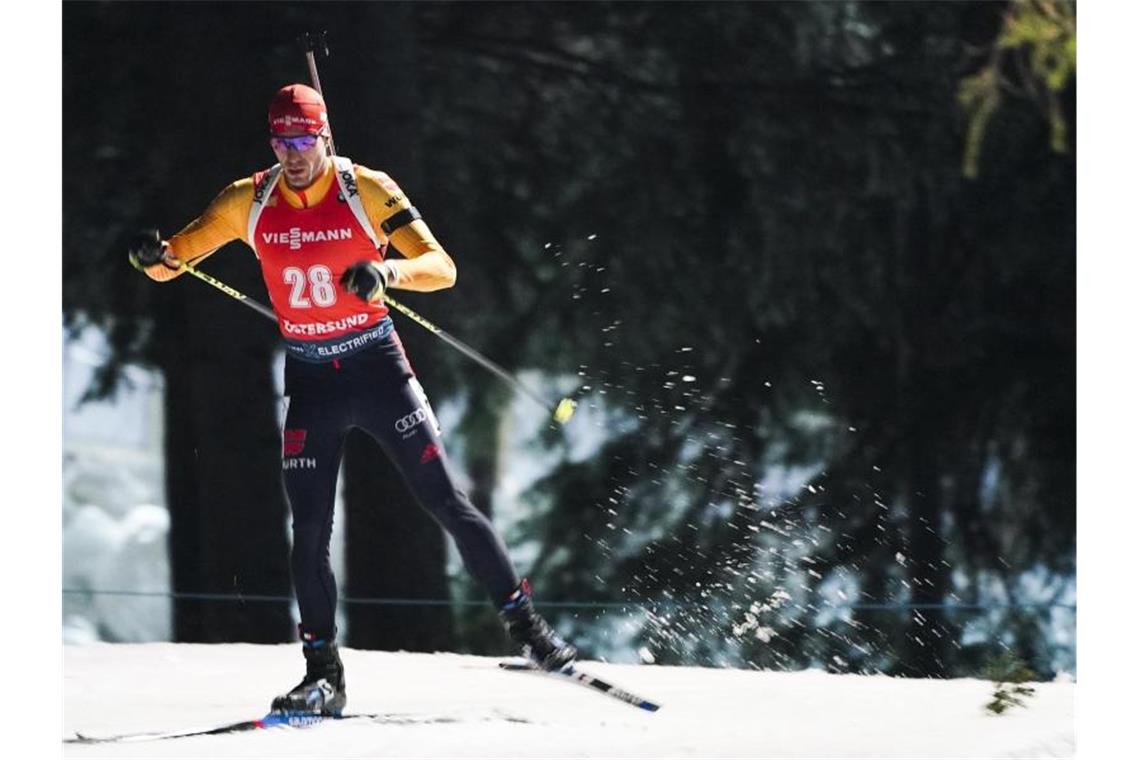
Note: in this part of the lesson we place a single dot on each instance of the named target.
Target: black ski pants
(374, 390)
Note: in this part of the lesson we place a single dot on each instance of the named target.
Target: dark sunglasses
(301, 143)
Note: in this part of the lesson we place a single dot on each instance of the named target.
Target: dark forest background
(809, 268)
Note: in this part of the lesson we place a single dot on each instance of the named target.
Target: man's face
(302, 157)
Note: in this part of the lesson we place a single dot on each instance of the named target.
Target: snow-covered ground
(447, 705)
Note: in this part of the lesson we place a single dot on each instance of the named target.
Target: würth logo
(294, 442)
(296, 237)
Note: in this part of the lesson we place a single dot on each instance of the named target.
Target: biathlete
(320, 227)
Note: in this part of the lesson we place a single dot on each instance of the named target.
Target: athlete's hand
(146, 249)
(367, 279)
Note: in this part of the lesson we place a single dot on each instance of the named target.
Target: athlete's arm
(426, 265)
(222, 221)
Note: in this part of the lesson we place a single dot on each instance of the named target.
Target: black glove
(145, 249)
(367, 279)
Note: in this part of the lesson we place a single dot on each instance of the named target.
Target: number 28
(317, 281)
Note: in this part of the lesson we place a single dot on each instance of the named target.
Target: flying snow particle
(780, 596)
(591, 237)
(646, 656)
(688, 379)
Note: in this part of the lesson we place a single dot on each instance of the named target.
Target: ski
(272, 720)
(573, 675)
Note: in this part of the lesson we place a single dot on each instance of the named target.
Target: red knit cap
(297, 107)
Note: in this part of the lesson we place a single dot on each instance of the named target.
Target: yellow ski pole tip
(564, 411)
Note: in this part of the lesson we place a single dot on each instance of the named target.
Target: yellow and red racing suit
(305, 240)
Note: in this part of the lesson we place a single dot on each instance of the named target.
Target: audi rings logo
(409, 421)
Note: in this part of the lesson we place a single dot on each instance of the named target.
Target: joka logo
(349, 180)
(409, 421)
(294, 442)
(259, 190)
(430, 453)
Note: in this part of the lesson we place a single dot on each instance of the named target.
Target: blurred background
(809, 269)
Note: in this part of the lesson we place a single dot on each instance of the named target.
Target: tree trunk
(926, 396)
(930, 632)
(223, 463)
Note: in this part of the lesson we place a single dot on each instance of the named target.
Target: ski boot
(321, 691)
(527, 628)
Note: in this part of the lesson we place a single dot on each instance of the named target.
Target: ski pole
(564, 409)
(231, 292)
(561, 412)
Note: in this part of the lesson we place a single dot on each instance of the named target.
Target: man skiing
(320, 227)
